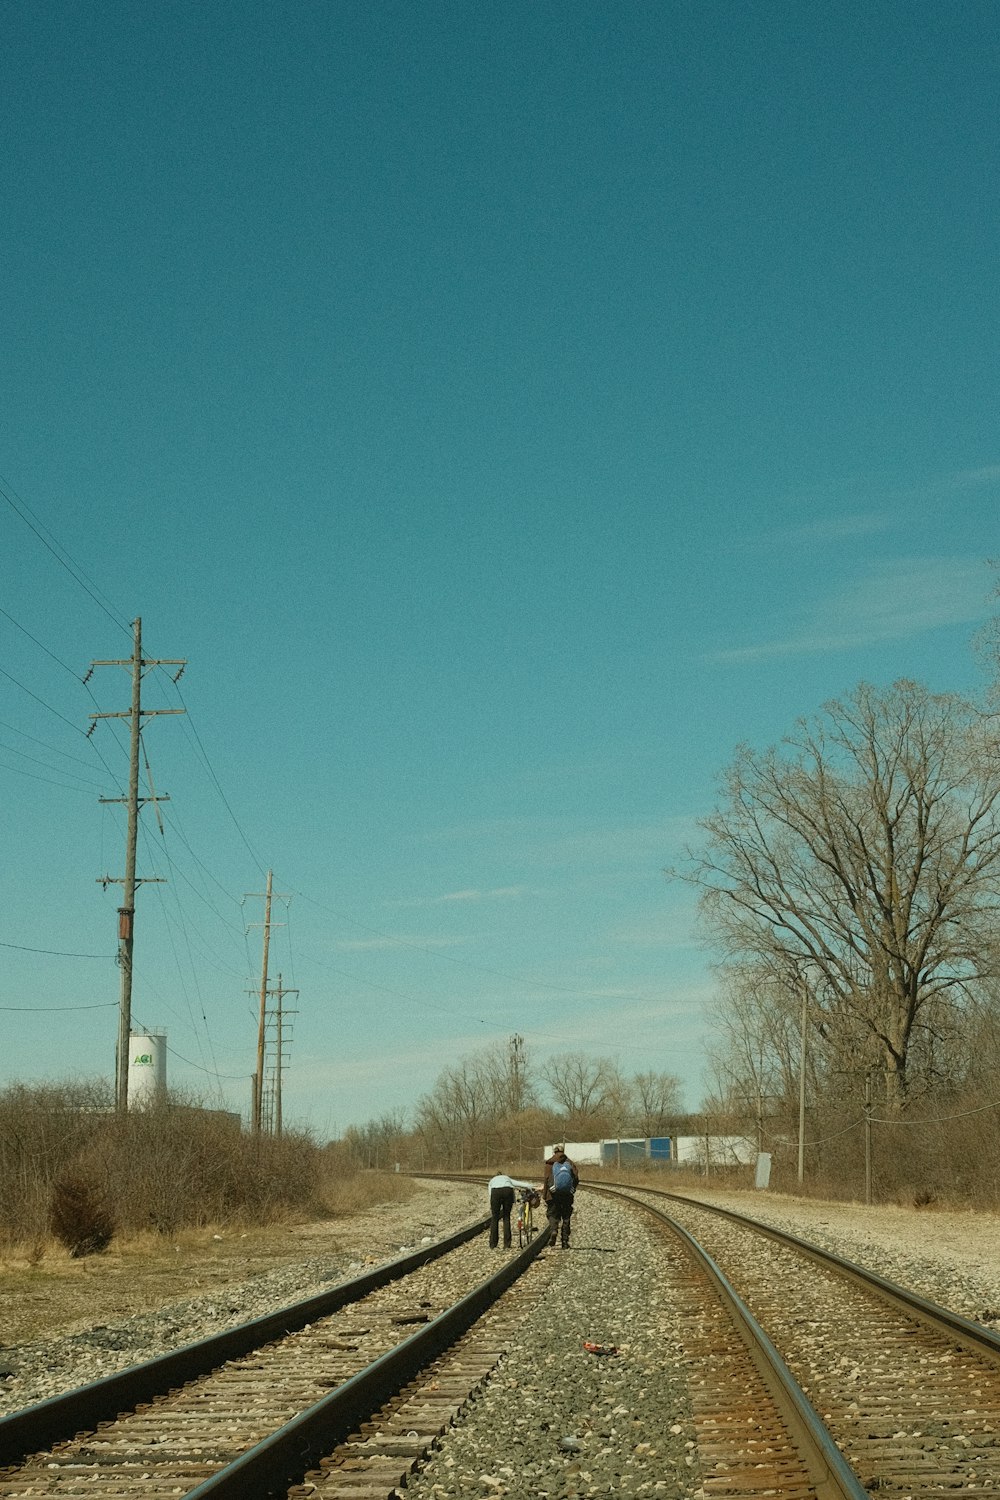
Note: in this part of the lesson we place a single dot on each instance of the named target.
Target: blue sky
(506, 411)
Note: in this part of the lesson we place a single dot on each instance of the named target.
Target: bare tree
(866, 856)
(378, 1142)
(478, 1103)
(655, 1100)
(455, 1110)
(590, 1091)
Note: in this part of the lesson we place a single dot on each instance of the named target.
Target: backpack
(562, 1176)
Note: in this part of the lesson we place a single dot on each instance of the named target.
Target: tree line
(497, 1107)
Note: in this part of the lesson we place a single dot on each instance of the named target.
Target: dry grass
(341, 1194)
(44, 1289)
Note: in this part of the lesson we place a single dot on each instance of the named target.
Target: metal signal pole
(126, 912)
(258, 1089)
(279, 1063)
(259, 1092)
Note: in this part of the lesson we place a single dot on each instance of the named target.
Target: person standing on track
(501, 1202)
(561, 1182)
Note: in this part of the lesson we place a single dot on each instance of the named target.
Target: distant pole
(126, 914)
(257, 1118)
(868, 1139)
(802, 1085)
(277, 1074)
(517, 1072)
(259, 1092)
(279, 1063)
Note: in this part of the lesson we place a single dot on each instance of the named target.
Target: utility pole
(281, 1055)
(802, 1081)
(258, 1092)
(868, 1138)
(516, 1049)
(258, 1112)
(280, 1012)
(137, 664)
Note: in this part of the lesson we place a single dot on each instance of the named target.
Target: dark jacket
(547, 1184)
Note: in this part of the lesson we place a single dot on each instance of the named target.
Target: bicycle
(528, 1201)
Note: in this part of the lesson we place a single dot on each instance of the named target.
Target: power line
(23, 511)
(185, 924)
(217, 784)
(36, 761)
(492, 1022)
(229, 1077)
(172, 821)
(52, 749)
(462, 963)
(42, 701)
(45, 1010)
(33, 776)
(58, 660)
(56, 953)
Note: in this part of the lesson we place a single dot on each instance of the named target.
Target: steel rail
(80, 1410)
(283, 1458)
(953, 1325)
(829, 1472)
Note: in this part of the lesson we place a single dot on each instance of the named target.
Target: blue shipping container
(659, 1148)
(613, 1152)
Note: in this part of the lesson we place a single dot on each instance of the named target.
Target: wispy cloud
(890, 601)
(547, 841)
(376, 944)
(839, 528)
(472, 895)
(658, 935)
(975, 479)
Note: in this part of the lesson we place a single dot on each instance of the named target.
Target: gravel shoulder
(64, 1324)
(67, 1322)
(950, 1256)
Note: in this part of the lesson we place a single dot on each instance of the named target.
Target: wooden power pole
(137, 664)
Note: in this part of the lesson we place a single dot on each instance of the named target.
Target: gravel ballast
(948, 1256)
(554, 1418)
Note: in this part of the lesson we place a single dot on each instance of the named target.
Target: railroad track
(244, 1410)
(340, 1407)
(339, 1396)
(909, 1390)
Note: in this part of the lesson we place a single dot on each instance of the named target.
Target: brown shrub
(80, 1218)
(42, 1130)
(177, 1166)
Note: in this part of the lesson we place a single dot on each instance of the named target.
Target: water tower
(147, 1069)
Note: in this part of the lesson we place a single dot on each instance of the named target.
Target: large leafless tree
(863, 857)
(655, 1100)
(590, 1092)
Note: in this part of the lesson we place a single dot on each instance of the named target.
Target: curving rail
(910, 1390)
(829, 1472)
(319, 1421)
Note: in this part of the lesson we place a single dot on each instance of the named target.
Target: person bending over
(501, 1189)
